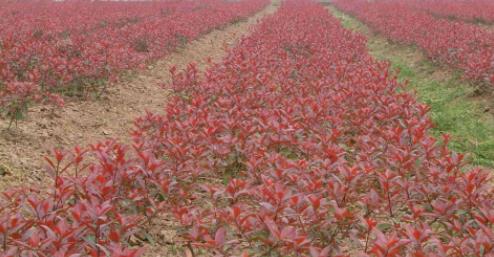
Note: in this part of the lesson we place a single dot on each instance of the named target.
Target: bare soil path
(86, 122)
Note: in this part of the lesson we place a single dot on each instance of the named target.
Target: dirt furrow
(86, 122)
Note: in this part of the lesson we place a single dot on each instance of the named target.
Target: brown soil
(488, 27)
(86, 122)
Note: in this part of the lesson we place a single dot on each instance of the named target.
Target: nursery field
(247, 128)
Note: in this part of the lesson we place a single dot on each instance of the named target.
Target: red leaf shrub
(297, 144)
(466, 47)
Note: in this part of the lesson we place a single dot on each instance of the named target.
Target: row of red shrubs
(455, 43)
(475, 11)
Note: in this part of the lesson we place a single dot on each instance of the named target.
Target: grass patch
(454, 109)
(454, 112)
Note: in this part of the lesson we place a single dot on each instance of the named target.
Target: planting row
(298, 144)
(470, 10)
(466, 47)
(52, 48)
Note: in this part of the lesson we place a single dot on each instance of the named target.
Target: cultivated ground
(458, 108)
(23, 147)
